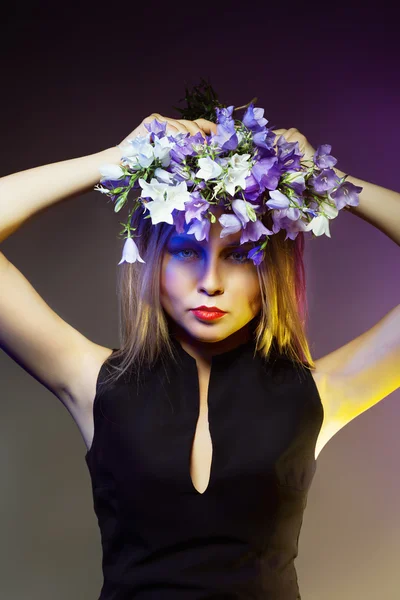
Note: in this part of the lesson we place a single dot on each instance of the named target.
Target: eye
(177, 252)
(242, 255)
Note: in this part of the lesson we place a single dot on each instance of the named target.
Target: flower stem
(254, 100)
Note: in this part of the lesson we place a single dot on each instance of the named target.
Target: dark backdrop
(75, 81)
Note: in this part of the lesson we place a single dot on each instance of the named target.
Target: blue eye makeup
(185, 253)
(187, 249)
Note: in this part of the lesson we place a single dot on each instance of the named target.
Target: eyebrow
(184, 238)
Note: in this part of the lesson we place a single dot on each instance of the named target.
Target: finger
(142, 130)
(171, 123)
(207, 126)
(192, 127)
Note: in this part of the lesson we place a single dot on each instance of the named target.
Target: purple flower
(156, 127)
(253, 188)
(253, 231)
(326, 180)
(177, 155)
(256, 255)
(230, 224)
(254, 118)
(273, 163)
(196, 207)
(346, 194)
(292, 227)
(224, 114)
(184, 147)
(179, 171)
(226, 137)
(111, 183)
(265, 140)
(322, 157)
(200, 229)
(267, 173)
(277, 200)
(281, 203)
(289, 154)
(178, 217)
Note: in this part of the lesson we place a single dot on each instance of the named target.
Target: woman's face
(211, 274)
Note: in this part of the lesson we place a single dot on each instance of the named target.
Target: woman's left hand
(294, 135)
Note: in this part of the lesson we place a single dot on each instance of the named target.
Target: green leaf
(201, 102)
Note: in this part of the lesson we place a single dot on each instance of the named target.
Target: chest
(201, 427)
(202, 447)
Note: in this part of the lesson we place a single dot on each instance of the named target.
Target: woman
(203, 429)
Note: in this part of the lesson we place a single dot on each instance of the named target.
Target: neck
(202, 351)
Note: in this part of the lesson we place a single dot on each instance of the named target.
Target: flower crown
(242, 167)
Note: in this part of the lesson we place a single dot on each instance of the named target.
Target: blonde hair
(143, 324)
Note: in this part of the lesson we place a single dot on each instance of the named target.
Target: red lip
(209, 309)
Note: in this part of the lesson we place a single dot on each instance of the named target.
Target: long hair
(144, 325)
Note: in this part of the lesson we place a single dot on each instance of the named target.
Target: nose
(210, 278)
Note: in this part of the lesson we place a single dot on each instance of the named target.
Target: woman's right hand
(174, 126)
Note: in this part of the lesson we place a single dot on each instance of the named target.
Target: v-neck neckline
(219, 363)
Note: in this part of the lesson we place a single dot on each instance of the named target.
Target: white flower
(100, 188)
(154, 190)
(162, 149)
(161, 210)
(237, 173)
(209, 169)
(133, 147)
(319, 225)
(110, 171)
(240, 137)
(140, 153)
(331, 211)
(240, 161)
(127, 148)
(178, 194)
(218, 187)
(164, 176)
(132, 162)
(130, 252)
(295, 176)
(145, 156)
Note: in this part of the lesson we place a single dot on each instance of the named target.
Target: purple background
(75, 82)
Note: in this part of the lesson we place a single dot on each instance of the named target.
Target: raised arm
(31, 333)
(28, 192)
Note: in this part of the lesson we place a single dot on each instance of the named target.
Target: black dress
(161, 538)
